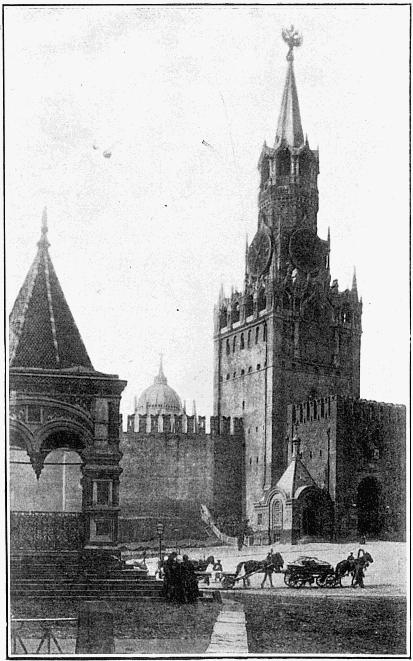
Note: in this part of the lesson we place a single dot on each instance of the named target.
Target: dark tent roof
(43, 333)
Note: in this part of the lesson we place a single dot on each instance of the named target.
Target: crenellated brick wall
(165, 467)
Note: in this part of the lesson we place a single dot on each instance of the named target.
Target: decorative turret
(43, 333)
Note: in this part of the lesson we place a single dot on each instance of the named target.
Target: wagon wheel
(287, 576)
(321, 580)
(295, 581)
(228, 582)
(330, 581)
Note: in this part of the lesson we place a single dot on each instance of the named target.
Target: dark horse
(201, 565)
(355, 566)
(364, 559)
(272, 563)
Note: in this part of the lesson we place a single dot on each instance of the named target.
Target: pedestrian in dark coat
(189, 581)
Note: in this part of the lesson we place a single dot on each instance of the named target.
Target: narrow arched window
(283, 163)
(228, 347)
(257, 335)
(262, 300)
(234, 344)
(249, 338)
(249, 305)
(223, 318)
(264, 337)
(265, 170)
(242, 341)
(235, 313)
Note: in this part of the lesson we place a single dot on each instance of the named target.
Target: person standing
(189, 581)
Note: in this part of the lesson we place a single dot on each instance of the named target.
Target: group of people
(180, 581)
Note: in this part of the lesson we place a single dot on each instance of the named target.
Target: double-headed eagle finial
(293, 38)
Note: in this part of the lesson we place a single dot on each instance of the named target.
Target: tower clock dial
(306, 250)
(259, 253)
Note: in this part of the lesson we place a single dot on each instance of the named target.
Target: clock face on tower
(306, 250)
(259, 253)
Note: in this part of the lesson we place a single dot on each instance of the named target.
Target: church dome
(159, 397)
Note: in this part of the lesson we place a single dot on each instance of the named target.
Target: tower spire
(289, 128)
(43, 241)
(161, 378)
(354, 283)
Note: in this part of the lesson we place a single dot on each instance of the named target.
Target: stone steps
(58, 576)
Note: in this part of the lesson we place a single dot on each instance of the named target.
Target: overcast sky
(141, 241)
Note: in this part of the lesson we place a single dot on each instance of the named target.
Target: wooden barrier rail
(48, 636)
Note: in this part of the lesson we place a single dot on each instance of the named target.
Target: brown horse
(272, 563)
(363, 560)
(355, 567)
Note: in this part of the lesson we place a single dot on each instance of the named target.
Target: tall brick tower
(290, 335)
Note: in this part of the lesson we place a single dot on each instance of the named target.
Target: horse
(273, 562)
(201, 565)
(346, 567)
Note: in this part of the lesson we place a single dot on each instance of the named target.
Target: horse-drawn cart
(273, 563)
(229, 579)
(306, 570)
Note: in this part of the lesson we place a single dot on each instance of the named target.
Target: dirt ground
(285, 625)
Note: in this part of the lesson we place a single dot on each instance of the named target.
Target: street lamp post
(159, 530)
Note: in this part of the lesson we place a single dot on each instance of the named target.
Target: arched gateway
(59, 407)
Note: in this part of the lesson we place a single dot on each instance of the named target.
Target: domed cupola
(159, 397)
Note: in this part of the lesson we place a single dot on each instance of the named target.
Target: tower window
(242, 341)
(249, 305)
(228, 347)
(249, 338)
(234, 344)
(262, 300)
(264, 337)
(223, 318)
(265, 171)
(234, 375)
(257, 335)
(257, 460)
(249, 369)
(227, 377)
(258, 366)
(242, 372)
(283, 163)
(304, 165)
(243, 406)
(235, 313)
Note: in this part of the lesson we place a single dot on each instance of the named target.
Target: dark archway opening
(317, 518)
(311, 525)
(370, 520)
